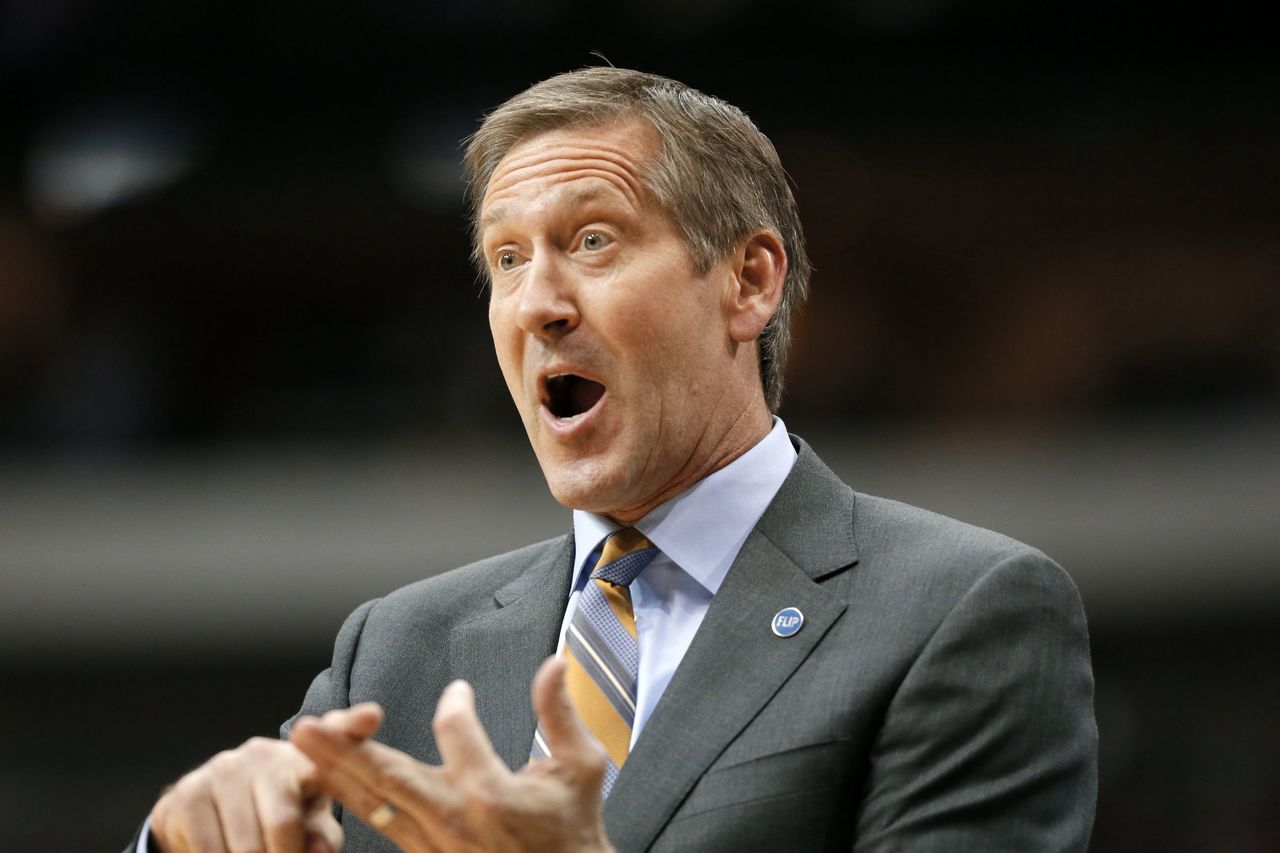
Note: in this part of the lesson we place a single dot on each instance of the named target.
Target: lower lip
(570, 427)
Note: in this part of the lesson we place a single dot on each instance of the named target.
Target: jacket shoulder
(470, 589)
(908, 554)
(885, 526)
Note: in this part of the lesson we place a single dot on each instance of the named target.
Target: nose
(547, 305)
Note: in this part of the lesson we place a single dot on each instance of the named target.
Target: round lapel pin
(787, 622)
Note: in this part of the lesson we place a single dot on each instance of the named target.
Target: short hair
(716, 174)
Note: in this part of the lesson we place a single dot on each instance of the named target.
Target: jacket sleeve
(331, 688)
(990, 743)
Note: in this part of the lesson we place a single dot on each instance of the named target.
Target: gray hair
(716, 174)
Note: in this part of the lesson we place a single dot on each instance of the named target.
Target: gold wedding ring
(383, 815)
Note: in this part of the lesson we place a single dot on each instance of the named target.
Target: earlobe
(759, 269)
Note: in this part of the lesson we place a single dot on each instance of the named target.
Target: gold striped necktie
(602, 656)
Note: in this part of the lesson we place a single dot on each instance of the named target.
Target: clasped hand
(470, 802)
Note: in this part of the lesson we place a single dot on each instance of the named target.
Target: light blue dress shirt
(699, 533)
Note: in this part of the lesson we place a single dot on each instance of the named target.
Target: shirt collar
(702, 529)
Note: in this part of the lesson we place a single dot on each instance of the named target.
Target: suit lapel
(499, 652)
(735, 664)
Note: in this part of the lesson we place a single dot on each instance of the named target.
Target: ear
(758, 268)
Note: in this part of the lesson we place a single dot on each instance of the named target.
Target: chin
(584, 485)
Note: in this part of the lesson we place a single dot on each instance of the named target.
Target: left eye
(594, 241)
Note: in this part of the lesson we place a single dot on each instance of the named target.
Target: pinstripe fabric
(600, 650)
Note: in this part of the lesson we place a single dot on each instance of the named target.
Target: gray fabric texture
(939, 696)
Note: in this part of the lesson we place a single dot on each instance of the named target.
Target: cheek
(658, 319)
(675, 337)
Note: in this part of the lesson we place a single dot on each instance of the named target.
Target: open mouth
(570, 395)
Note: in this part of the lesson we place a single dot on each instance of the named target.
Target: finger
(324, 833)
(198, 829)
(365, 775)
(396, 815)
(359, 722)
(563, 727)
(464, 744)
(237, 815)
(568, 740)
(279, 806)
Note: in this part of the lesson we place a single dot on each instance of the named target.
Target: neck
(744, 433)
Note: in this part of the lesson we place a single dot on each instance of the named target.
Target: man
(795, 666)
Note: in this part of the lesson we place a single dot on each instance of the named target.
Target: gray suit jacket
(938, 697)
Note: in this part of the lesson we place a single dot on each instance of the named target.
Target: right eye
(507, 261)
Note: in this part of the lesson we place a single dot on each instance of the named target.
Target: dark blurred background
(246, 382)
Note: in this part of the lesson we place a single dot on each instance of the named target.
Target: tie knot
(626, 553)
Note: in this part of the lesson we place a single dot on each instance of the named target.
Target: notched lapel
(499, 652)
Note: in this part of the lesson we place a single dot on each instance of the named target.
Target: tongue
(584, 394)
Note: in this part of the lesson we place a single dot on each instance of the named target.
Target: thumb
(567, 736)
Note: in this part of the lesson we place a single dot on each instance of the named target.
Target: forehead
(609, 160)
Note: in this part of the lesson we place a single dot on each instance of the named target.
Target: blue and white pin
(787, 622)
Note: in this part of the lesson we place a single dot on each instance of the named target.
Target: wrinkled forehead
(615, 155)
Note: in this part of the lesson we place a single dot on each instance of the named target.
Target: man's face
(616, 354)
